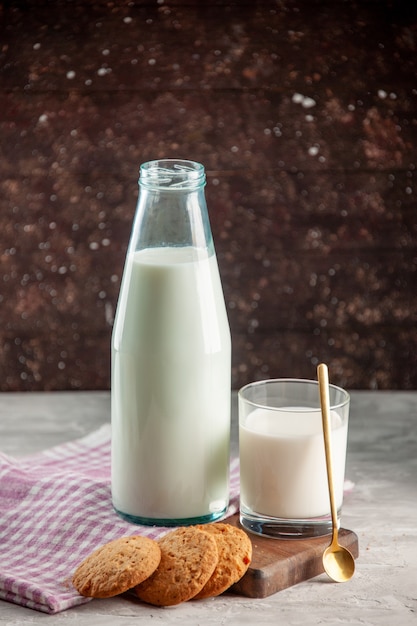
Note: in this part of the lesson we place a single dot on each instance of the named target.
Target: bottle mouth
(172, 175)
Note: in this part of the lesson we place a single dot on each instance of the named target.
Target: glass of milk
(283, 477)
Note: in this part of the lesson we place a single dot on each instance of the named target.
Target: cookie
(188, 559)
(235, 554)
(117, 566)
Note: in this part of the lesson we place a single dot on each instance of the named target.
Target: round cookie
(117, 566)
(188, 559)
(235, 554)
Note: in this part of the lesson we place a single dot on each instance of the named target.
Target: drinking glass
(283, 476)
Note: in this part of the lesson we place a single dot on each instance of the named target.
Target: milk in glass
(283, 463)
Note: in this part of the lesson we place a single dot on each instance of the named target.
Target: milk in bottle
(171, 359)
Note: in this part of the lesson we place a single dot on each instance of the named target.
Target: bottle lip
(172, 175)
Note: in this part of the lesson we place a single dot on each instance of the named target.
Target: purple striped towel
(55, 509)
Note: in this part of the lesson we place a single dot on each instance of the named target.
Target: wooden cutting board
(280, 563)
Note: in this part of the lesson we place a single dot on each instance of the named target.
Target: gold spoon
(338, 562)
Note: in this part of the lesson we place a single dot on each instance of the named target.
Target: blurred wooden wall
(304, 113)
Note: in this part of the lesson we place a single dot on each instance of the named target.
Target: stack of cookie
(189, 562)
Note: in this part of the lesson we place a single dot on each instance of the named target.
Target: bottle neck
(172, 175)
(172, 208)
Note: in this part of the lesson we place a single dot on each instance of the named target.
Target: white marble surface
(382, 510)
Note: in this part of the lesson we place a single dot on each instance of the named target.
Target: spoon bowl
(338, 562)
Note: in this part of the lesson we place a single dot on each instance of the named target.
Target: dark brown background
(304, 114)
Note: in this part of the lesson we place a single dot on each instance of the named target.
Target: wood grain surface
(281, 563)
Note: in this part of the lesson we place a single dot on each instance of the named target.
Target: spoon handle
(323, 378)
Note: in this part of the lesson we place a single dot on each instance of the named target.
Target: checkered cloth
(55, 509)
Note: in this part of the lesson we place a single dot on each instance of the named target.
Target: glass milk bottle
(171, 358)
